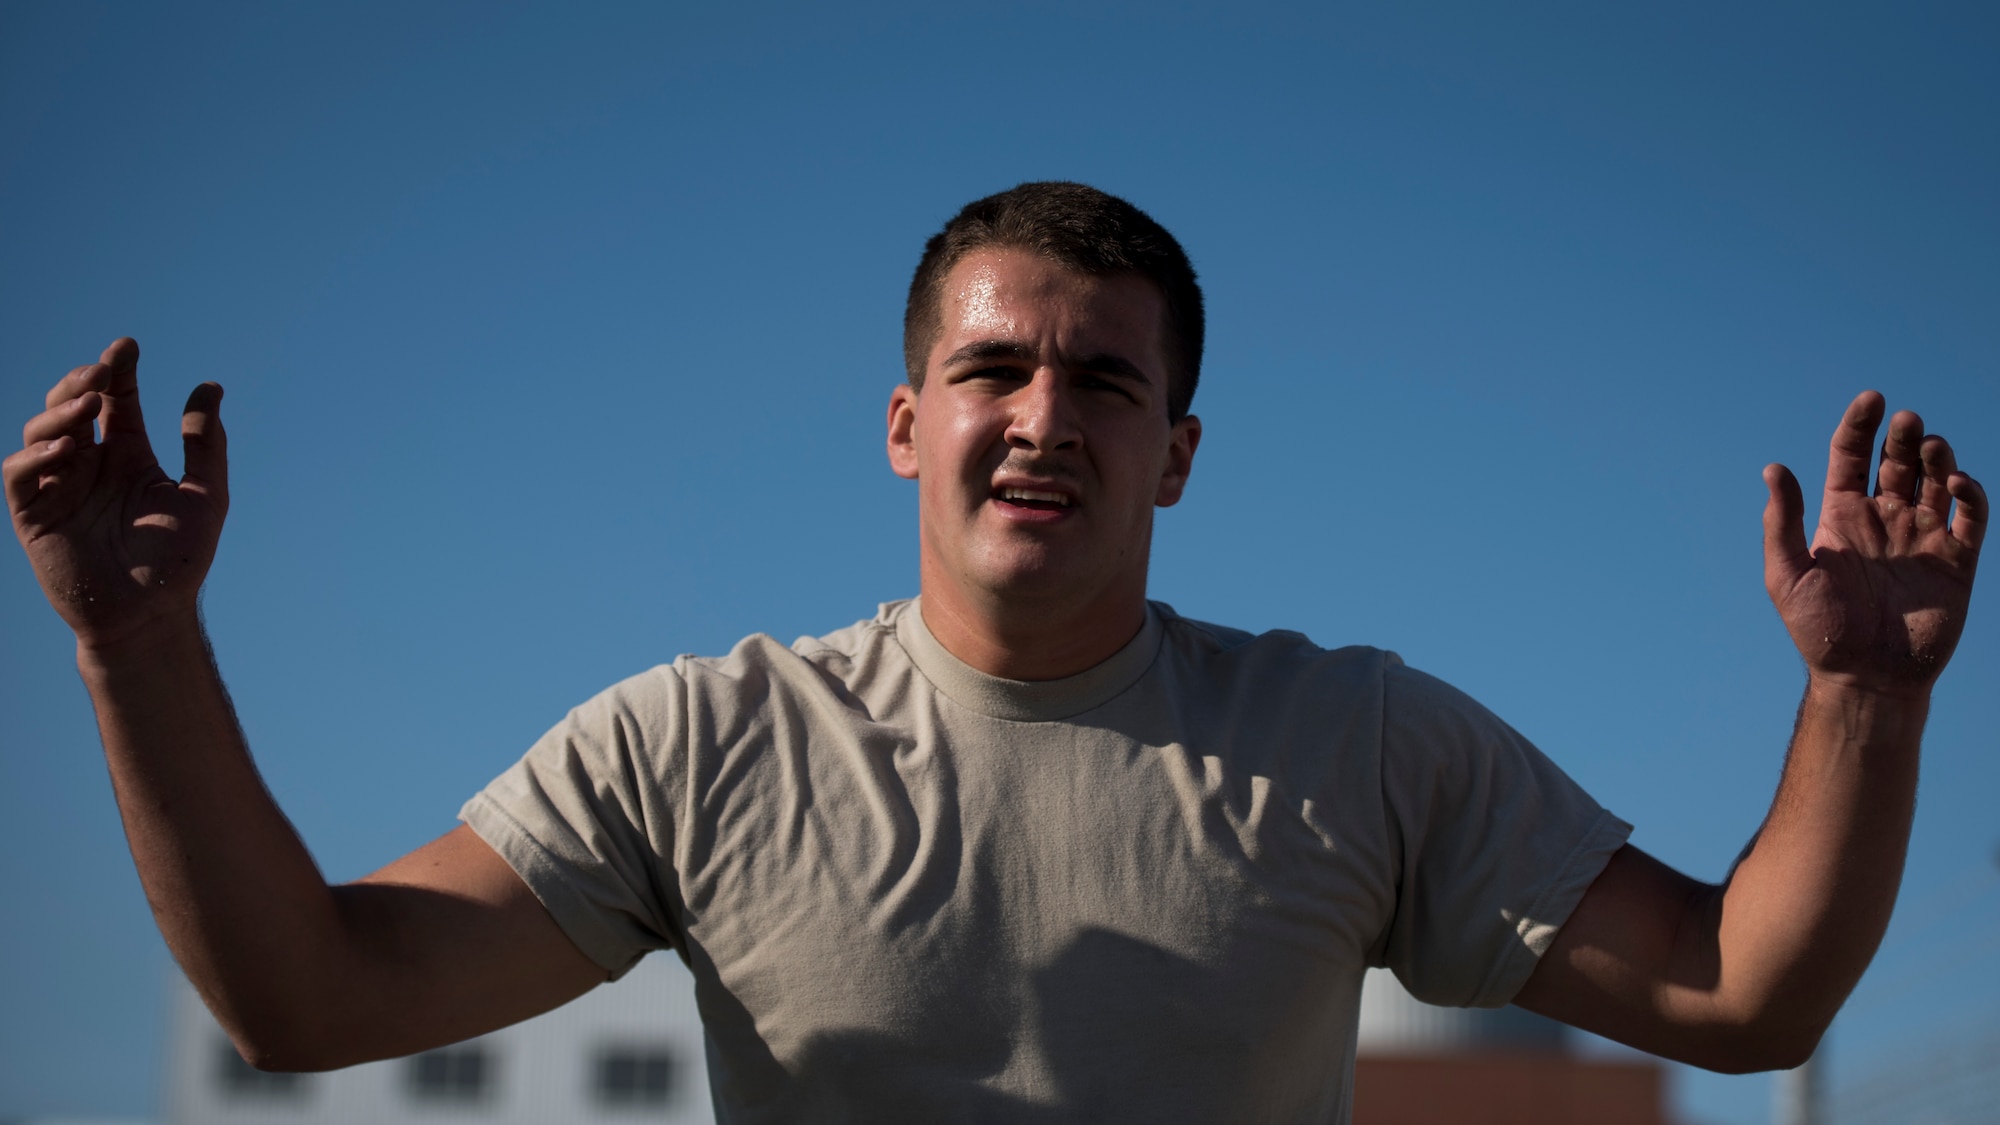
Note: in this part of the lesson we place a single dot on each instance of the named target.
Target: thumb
(204, 445)
(1786, 559)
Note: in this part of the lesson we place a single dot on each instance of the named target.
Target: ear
(1180, 461)
(903, 431)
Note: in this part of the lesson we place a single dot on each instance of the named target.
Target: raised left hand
(1878, 601)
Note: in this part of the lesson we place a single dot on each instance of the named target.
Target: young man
(1028, 847)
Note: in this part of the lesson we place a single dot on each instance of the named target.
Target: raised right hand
(116, 544)
(1877, 600)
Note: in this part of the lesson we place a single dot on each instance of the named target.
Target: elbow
(263, 1056)
(1754, 1048)
(291, 1028)
(277, 1054)
(1789, 1053)
(287, 1046)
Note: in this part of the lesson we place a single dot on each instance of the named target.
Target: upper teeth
(1031, 494)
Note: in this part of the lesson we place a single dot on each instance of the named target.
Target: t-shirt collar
(1028, 701)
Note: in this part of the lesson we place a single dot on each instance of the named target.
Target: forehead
(1009, 294)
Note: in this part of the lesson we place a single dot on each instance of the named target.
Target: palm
(1880, 598)
(114, 541)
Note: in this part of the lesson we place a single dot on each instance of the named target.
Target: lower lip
(1021, 513)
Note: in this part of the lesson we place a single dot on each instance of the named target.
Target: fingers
(51, 441)
(45, 480)
(89, 377)
(72, 417)
(23, 471)
(121, 408)
(1786, 557)
(1969, 526)
(1853, 444)
(1934, 492)
(59, 446)
(115, 377)
(1901, 471)
(204, 445)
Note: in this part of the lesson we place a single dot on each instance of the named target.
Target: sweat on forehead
(1081, 229)
(1002, 303)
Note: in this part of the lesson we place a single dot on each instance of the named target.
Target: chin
(1041, 580)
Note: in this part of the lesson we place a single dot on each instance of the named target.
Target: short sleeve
(1496, 844)
(586, 819)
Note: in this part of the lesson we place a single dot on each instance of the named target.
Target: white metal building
(626, 1052)
(1393, 1022)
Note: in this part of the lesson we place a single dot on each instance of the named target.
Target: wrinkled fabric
(910, 891)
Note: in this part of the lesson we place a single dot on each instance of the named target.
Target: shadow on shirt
(1115, 1029)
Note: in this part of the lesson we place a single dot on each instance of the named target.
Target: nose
(1044, 415)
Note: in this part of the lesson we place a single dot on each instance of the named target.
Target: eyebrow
(980, 350)
(1102, 363)
(1108, 363)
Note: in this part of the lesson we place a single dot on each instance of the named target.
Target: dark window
(630, 1075)
(239, 1079)
(463, 1072)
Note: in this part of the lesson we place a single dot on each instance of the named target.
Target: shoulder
(754, 666)
(1419, 708)
(867, 641)
(1443, 745)
(1276, 690)
(864, 643)
(1276, 658)
(840, 669)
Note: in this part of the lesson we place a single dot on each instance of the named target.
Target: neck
(1026, 638)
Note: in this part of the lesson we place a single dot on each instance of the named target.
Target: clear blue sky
(558, 343)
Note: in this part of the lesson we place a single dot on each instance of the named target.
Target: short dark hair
(1081, 228)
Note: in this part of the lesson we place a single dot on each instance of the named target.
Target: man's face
(1040, 441)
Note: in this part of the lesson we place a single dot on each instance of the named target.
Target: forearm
(236, 895)
(1806, 908)
(443, 944)
(1747, 975)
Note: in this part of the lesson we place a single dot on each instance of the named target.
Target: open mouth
(1036, 499)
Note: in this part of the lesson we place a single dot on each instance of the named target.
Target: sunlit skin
(1748, 974)
(1054, 382)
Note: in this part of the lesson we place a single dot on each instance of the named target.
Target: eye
(1007, 374)
(1091, 382)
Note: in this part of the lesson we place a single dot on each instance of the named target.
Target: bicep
(453, 944)
(1638, 961)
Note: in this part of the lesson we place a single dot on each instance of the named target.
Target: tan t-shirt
(910, 891)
